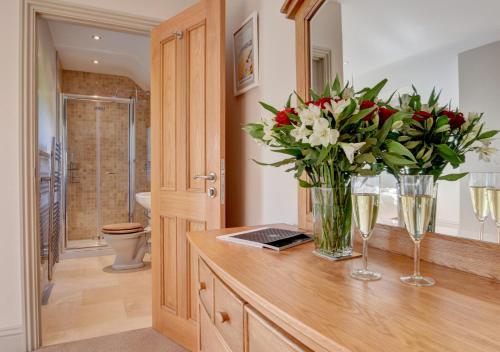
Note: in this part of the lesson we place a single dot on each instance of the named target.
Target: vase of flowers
(434, 136)
(327, 139)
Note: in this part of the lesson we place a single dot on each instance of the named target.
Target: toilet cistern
(144, 199)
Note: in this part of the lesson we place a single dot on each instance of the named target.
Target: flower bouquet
(338, 133)
(435, 136)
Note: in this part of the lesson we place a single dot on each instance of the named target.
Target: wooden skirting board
(472, 256)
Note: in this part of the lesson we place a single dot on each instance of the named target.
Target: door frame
(30, 254)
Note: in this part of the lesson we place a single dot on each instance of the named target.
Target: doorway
(32, 11)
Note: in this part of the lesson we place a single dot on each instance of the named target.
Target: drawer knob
(223, 317)
(202, 286)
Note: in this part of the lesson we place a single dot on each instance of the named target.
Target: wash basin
(144, 199)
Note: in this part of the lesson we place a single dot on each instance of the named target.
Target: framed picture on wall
(246, 55)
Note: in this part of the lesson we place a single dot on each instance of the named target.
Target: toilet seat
(122, 228)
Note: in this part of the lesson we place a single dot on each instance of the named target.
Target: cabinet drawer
(228, 316)
(206, 287)
(209, 339)
(263, 336)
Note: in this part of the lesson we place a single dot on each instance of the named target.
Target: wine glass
(365, 194)
(477, 187)
(417, 197)
(493, 191)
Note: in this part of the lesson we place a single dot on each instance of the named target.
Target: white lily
(322, 134)
(485, 151)
(472, 134)
(336, 108)
(309, 114)
(301, 133)
(268, 124)
(350, 149)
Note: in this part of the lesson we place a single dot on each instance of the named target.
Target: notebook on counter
(267, 237)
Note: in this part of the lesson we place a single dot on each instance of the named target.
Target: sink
(144, 199)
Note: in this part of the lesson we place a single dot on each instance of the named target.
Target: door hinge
(222, 181)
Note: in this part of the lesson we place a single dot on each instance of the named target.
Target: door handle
(110, 173)
(210, 177)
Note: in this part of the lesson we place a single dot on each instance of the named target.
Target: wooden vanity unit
(257, 300)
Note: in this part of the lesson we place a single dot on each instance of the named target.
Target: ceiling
(386, 31)
(118, 53)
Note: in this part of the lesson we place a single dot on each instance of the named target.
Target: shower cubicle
(99, 166)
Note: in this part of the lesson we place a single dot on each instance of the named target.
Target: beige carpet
(142, 340)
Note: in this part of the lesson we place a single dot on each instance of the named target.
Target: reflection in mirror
(412, 43)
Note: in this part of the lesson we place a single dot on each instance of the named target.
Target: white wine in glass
(479, 198)
(493, 191)
(365, 209)
(417, 211)
(417, 198)
(365, 195)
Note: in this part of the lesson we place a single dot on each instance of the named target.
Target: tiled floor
(86, 243)
(88, 302)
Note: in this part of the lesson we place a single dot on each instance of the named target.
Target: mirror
(453, 45)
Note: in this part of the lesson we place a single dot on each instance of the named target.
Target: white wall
(479, 91)
(46, 86)
(258, 194)
(11, 338)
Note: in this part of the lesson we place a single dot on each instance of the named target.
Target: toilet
(130, 243)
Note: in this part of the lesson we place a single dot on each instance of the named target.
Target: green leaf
(397, 160)
(299, 98)
(323, 154)
(428, 154)
(268, 107)
(448, 154)
(336, 84)
(412, 144)
(404, 138)
(428, 124)
(442, 129)
(359, 116)
(487, 134)
(289, 151)
(373, 92)
(305, 184)
(365, 158)
(387, 126)
(442, 121)
(314, 96)
(289, 101)
(398, 149)
(453, 177)
(278, 163)
(256, 130)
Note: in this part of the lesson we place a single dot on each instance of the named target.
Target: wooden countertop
(317, 302)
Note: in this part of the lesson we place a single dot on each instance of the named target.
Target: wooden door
(187, 113)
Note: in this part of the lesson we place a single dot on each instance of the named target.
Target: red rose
(455, 119)
(367, 104)
(282, 117)
(384, 114)
(421, 116)
(320, 102)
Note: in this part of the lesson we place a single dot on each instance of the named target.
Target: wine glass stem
(416, 260)
(481, 231)
(365, 254)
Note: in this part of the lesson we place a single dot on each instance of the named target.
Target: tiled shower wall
(81, 193)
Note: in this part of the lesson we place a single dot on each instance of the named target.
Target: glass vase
(332, 216)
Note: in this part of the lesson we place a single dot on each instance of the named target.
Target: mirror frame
(302, 11)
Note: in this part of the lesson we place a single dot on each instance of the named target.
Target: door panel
(187, 102)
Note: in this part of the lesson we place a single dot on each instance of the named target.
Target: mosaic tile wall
(110, 123)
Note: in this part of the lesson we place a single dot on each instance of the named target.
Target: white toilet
(130, 243)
